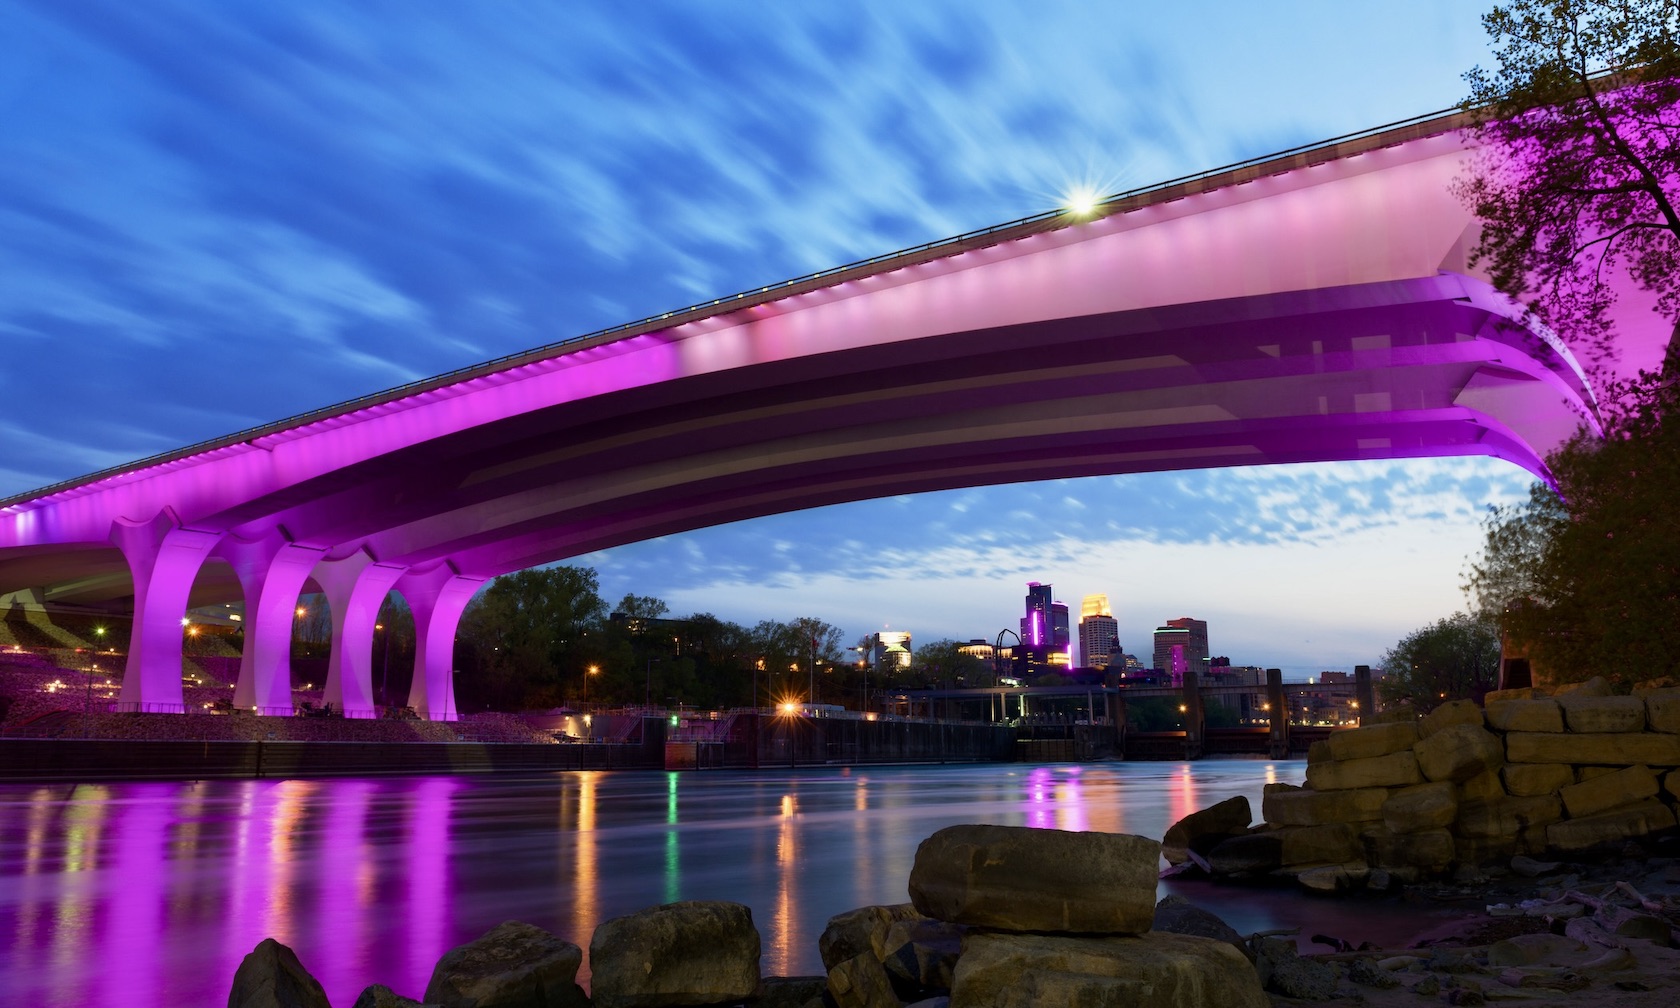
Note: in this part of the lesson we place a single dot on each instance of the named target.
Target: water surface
(147, 894)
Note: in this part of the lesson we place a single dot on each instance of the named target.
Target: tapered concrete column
(271, 574)
(1363, 693)
(163, 558)
(355, 587)
(437, 598)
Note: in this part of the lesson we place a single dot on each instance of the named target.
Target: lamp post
(647, 695)
(87, 719)
(384, 664)
(591, 670)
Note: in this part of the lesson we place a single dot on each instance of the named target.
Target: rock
(1200, 831)
(272, 977)
(1459, 752)
(1662, 710)
(1525, 715)
(1527, 867)
(1606, 827)
(1587, 714)
(1538, 950)
(1160, 970)
(1282, 970)
(690, 953)
(1597, 686)
(512, 964)
(1177, 915)
(1525, 780)
(791, 992)
(1332, 879)
(1518, 693)
(1367, 973)
(1453, 712)
(921, 954)
(1623, 787)
(1289, 805)
(1020, 879)
(1474, 852)
(1252, 853)
(861, 982)
(1331, 843)
(862, 930)
(1429, 851)
(1421, 807)
(1372, 740)
(1507, 817)
(1604, 748)
(381, 996)
(1485, 786)
(1394, 770)
(1647, 928)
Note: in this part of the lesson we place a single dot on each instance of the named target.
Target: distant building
(890, 650)
(1099, 632)
(1045, 640)
(1181, 644)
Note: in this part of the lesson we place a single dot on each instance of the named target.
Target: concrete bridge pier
(355, 586)
(437, 598)
(163, 559)
(271, 573)
(1278, 706)
(1195, 722)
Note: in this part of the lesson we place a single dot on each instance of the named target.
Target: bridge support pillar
(163, 558)
(355, 587)
(1195, 724)
(438, 598)
(1277, 706)
(271, 574)
(1363, 694)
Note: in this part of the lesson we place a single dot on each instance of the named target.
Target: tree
(641, 607)
(526, 636)
(944, 663)
(1576, 176)
(1451, 659)
(1586, 580)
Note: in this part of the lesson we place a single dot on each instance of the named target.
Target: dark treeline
(546, 638)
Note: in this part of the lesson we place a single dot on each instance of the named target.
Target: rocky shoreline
(1008, 917)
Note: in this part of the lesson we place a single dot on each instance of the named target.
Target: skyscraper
(1099, 632)
(1181, 644)
(1044, 629)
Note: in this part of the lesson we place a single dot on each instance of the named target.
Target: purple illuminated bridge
(1314, 306)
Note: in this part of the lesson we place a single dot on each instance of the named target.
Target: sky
(216, 215)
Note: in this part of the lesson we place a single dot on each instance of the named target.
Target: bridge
(1312, 306)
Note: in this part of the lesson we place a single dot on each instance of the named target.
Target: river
(149, 894)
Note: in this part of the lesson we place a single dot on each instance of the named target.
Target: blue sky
(214, 215)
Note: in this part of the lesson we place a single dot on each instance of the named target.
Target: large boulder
(1394, 770)
(272, 977)
(697, 952)
(1662, 710)
(1588, 714)
(1525, 715)
(1459, 752)
(855, 932)
(1421, 807)
(1506, 817)
(513, 964)
(1427, 851)
(381, 996)
(1201, 831)
(861, 982)
(1015, 878)
(1290, 805)
(1330, 843)
(1453, 712)
(1372, 740)
(1177, 915)
(1527, 779)
(1599, 749)
(1608, 791)
(1597, 686)
(1609, 827)
(1250, 854)
(922, 953)
(1159, 970)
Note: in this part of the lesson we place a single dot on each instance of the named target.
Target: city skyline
(221, 216)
